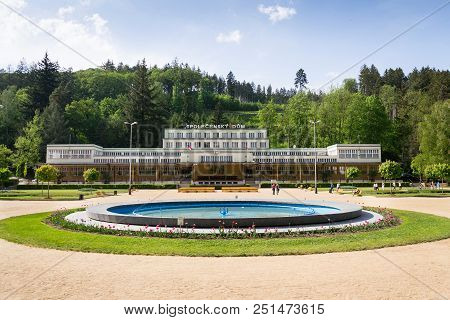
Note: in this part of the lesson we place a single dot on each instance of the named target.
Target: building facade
(214, 157)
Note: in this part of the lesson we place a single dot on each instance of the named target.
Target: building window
(234, 145)
(197, 145)
(225, 135)
(189, 135)
(216, 144)
(251, 135)
(207, 145)
(260, 135)
(177, 145)
(187, 144)
(253, 145)
(226, 145)
(243, 135)
(215, 135)
(244, 145)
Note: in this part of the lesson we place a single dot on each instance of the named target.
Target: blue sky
(260, 41)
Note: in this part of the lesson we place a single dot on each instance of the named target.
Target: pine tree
(300, 80)
(45, 79)
(231, 84)
(147, 107)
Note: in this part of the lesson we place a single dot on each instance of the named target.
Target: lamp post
(131, 143)
(315, 153)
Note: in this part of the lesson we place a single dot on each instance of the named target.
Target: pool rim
(347, 211)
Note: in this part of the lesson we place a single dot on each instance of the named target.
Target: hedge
(96, 186)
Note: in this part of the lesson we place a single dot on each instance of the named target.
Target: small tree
(91, 175)
(390, 170)
(352, 173)
(47, 173)
(437, 171)
(418, 165)
(5, 174)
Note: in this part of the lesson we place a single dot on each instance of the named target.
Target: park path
(419, 271)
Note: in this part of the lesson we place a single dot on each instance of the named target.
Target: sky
(261, 41)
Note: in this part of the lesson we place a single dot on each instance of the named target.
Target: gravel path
(411, 272)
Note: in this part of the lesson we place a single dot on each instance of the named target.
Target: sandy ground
(411, 272)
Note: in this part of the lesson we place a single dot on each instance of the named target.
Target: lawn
(55, 194)
(415, 228)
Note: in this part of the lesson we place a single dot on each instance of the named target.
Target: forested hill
(42, 103)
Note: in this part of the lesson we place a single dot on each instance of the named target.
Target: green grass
(405, 192)
(62, 194)
(415, 228)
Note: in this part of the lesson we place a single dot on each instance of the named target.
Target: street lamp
(131, 143)
(315, 158)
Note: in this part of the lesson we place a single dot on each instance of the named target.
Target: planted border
(415, 228)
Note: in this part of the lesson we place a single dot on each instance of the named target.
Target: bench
(196, 189)
(239, 189)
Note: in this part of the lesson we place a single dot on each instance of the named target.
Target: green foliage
(28, 146)
(439, 171)
(352, 173)
(434, 133)
(5, 156)
(419, 163)
(5, 174)
(47, 173)
(390, 170)
(91, 175)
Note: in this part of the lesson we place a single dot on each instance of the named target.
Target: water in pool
(222, 209)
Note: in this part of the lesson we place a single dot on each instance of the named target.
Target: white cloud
(277, 13)
(62, 12)
(91, 37)
(99, 23)
(233, 36)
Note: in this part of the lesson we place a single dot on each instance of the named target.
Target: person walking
(331, 188)
(382, 186)
(273, 188)
(278, 188)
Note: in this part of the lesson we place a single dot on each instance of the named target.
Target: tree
(91, 175)
(300, 80)
(269, 118)
(27, 147)
(11, 116)
(434, 133)
(369, 80)
(5, 156)
(366, 120)
(352, 173)
(45, 79)
(5, 174)
(419, 164)
(54, 129)
(390, 170)
(47, 173)
(231, 84)
(146, 106)
(394, 77)
(442, 171)
(350, 85)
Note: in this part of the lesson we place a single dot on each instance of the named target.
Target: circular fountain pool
(208, 214)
